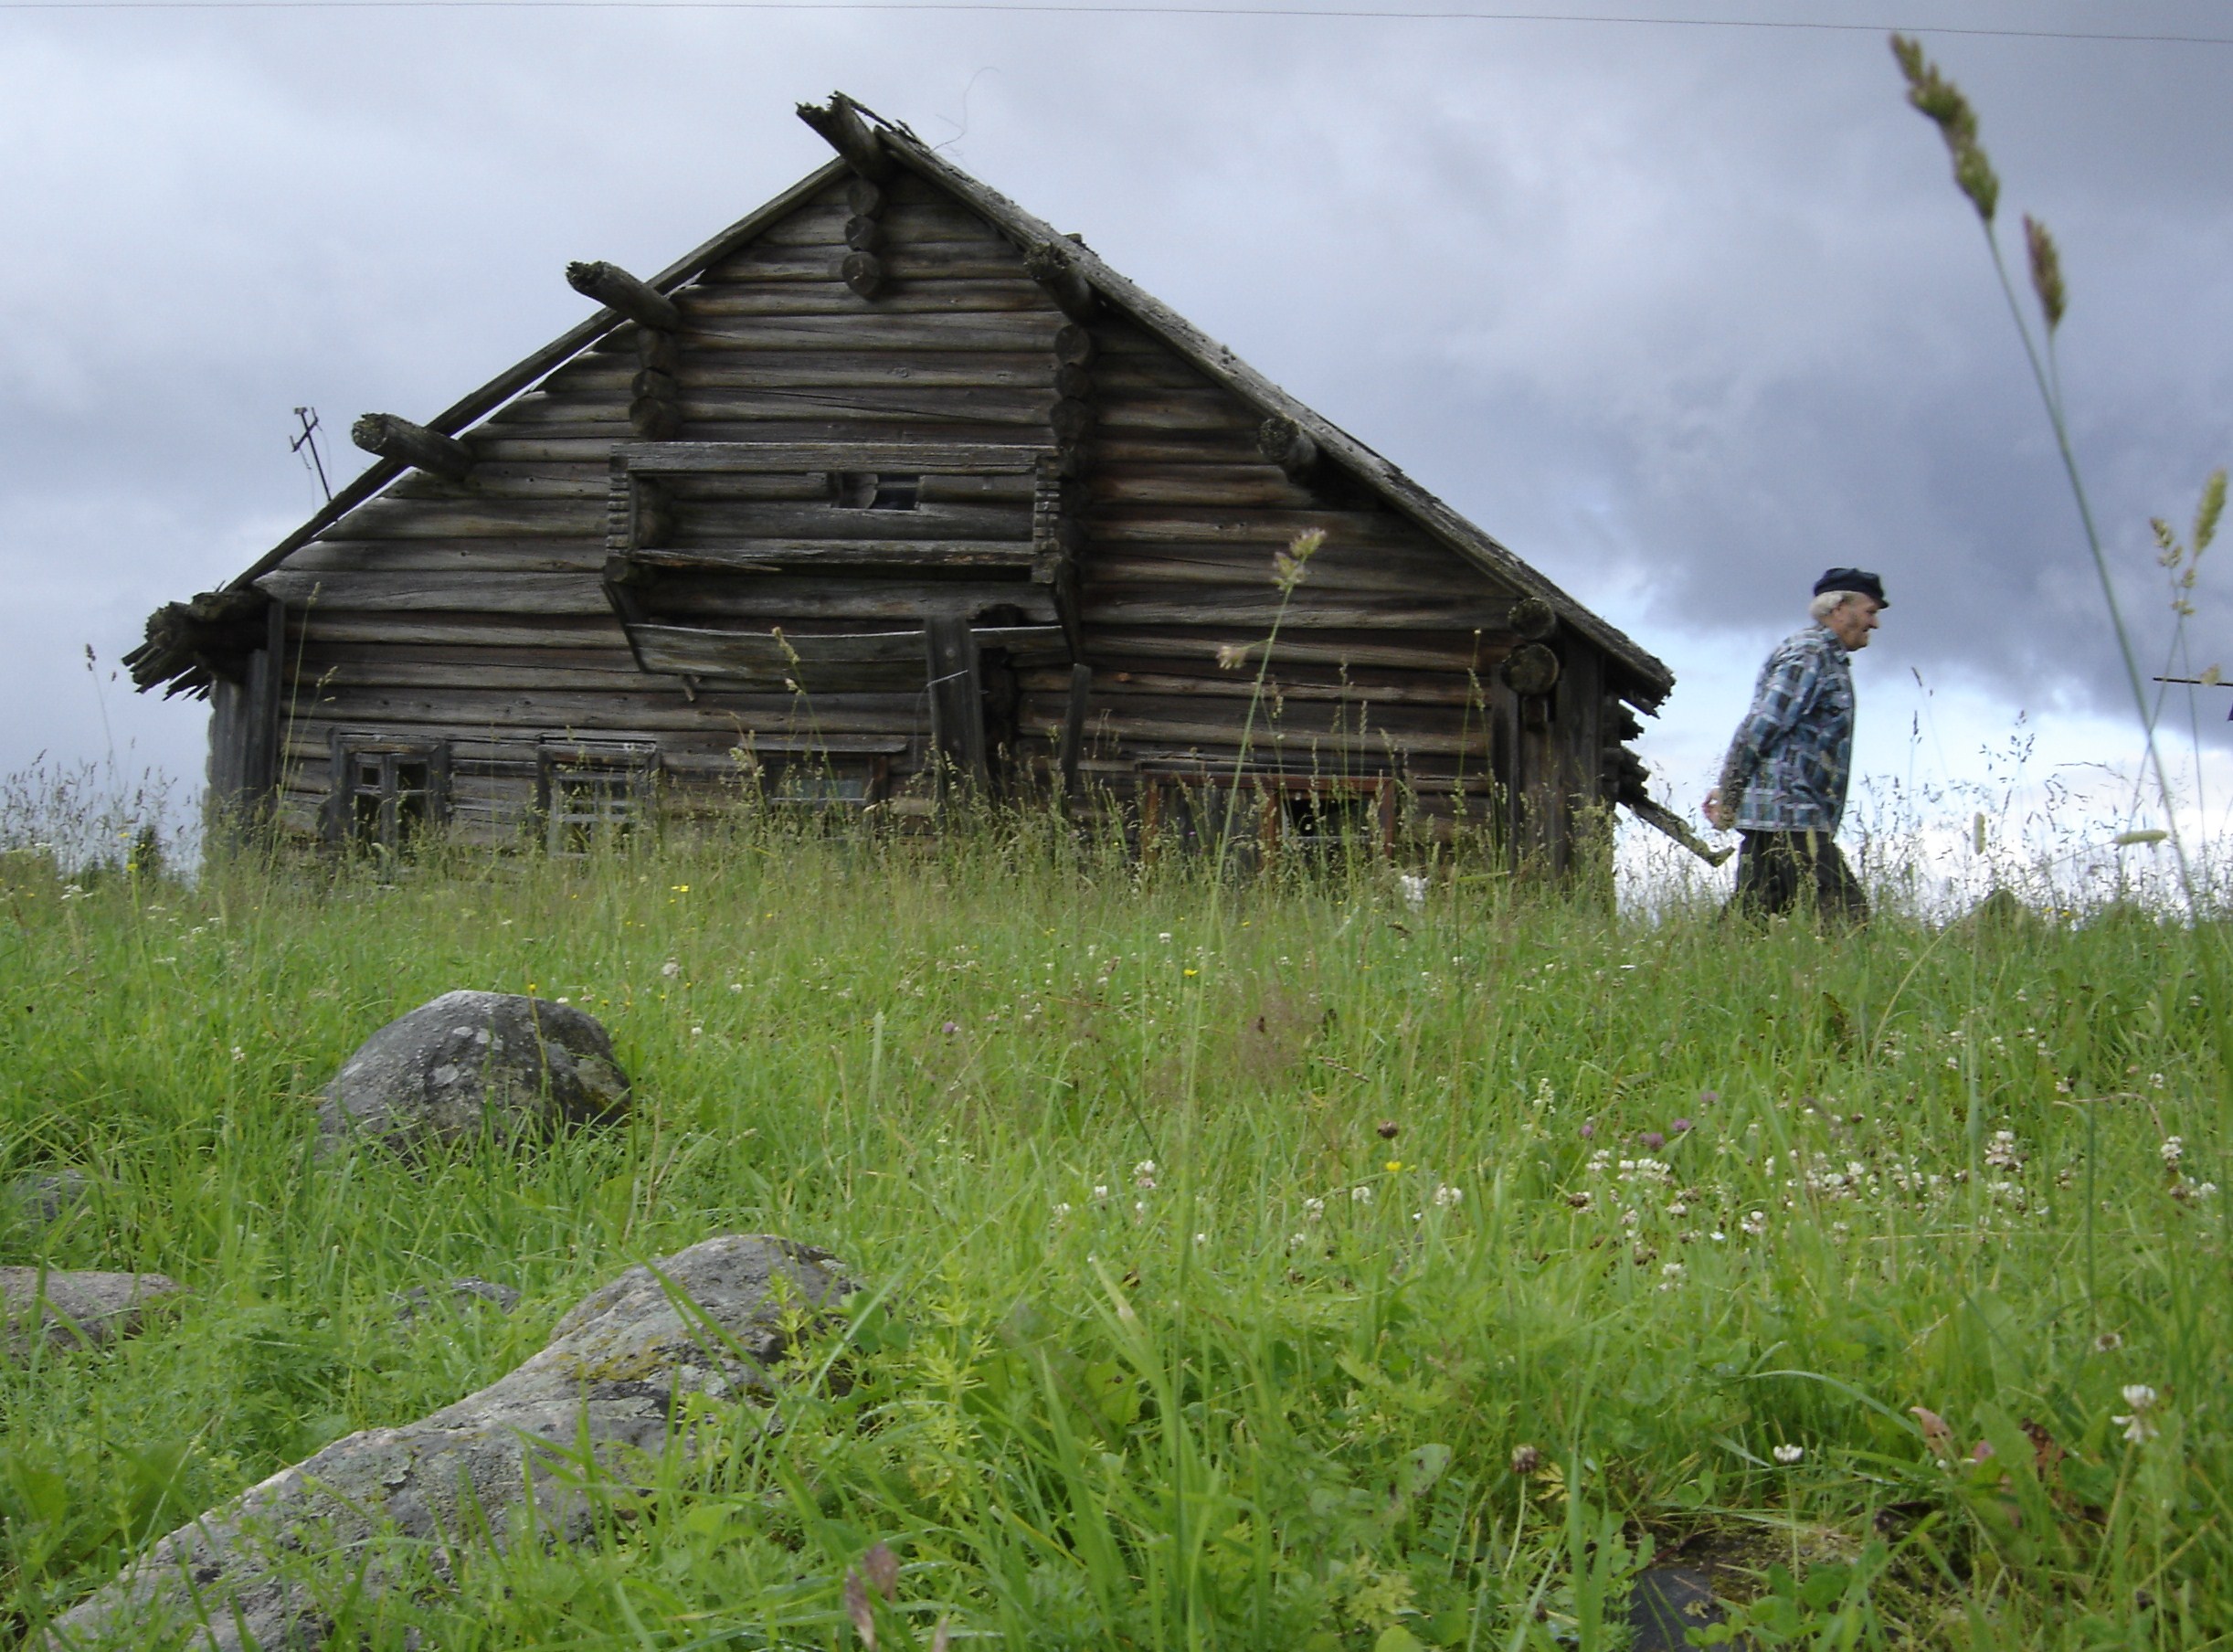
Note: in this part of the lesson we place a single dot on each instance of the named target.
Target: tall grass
(1298, 1268)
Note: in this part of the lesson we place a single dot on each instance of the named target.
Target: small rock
(41, 1200)
(612, 1378)
(76, 1308)
(462, 1293)
(475, 1064)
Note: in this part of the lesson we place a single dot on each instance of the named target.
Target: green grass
(1271, 1400)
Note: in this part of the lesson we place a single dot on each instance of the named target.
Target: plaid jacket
(1787, 767)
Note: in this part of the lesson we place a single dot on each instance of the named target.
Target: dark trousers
(1797, 872)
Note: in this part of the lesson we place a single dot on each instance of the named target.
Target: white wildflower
(1448, 1196)
(1755, 1222)
(1360, 1195)
(2139, 1427)
(2172, 1151)
(1314, 1210)
(1788, 1455)
(671, 968)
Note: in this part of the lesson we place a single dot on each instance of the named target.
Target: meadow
(1273, 1263)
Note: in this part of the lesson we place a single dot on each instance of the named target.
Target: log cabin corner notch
(887, 488)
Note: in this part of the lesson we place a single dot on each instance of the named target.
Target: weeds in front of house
(1346, 1273)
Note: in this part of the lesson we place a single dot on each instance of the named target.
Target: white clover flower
(1201, 1238)
(1360, 1195)
(1446, 1196)
(1101, 1193)
(1164, 936)
(238, 1054)
(2140, 1396)
(1296, 1242)
(671, 968)
(1062, 1210)
(2172, 1151)
(1788, 1455)
(1629, 1218)
(736, 986)
(1583, 1200)
(1145, 1167)
(1314, 1210)
(1755, 1222)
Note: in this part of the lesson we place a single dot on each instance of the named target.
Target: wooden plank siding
(474, 613)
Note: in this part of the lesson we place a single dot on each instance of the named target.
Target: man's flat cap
(1857, 580)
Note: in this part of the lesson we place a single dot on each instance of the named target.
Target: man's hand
(1718, 815)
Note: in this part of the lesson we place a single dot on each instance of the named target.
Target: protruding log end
(1074, 347)
(1533, 619)
(1531, 669)
(864, 273)
(1072, 420)
(865, 199)
(856, 140)
(862, 233)
(654, 418)
(1288, 445)
(1050, 265)
(614, 287)
(406, 443)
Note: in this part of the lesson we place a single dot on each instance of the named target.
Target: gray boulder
(616, 1370)
(458, 1295)
(41, 1200)
(76, 1308)
(471, 1063)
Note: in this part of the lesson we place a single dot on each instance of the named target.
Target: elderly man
(1784, 782)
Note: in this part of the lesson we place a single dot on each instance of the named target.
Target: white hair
(1828, 603)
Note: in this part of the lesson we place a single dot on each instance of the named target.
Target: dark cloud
(1682, 315)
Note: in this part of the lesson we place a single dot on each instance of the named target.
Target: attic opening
(875, 490)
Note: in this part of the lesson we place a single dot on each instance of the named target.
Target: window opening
(391, 796)
(593, 800)
(1323, 824)
(876, 491)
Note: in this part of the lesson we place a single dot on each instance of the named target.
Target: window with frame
(593, 796)
(815, 783)
(387, 792)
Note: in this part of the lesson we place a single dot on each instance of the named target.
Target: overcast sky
(1682, 314)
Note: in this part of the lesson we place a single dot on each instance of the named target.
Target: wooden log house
(890, 489)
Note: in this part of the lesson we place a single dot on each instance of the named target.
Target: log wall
(471, 611)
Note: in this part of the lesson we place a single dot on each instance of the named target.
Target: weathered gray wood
(862, 272)
(956, 702)
(1386, 571)
(920, 260)
(1417, 651)
(1072, 382)
(712, 307)
(839, 125)
(402, 443)
(475, 591)
(613, 287)
(1075, 345)
(1288, 445)
(769, 554)
(762, 599)
(425, 556)
(863, 196)
(1053, 265)
(863, 234)
(1075, 710)
(1346, 531)
(1421, 689)
(1252, 486)
(493, 518)
(1072, 419)
(1534, 619)
(1650, 678)
(1260, 605)
(711, 329)
(919, 458)
(654, 348)
(1531, 669)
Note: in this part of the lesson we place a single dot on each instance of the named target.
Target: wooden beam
(1534, 618)
(1288, 445)
(1049, 264)
(842, 127)
(406, 443)
(1073, 728)
(614, 287)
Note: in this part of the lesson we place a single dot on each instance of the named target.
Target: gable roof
(1647, 679)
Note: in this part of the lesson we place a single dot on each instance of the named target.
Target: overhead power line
(1066, 8)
